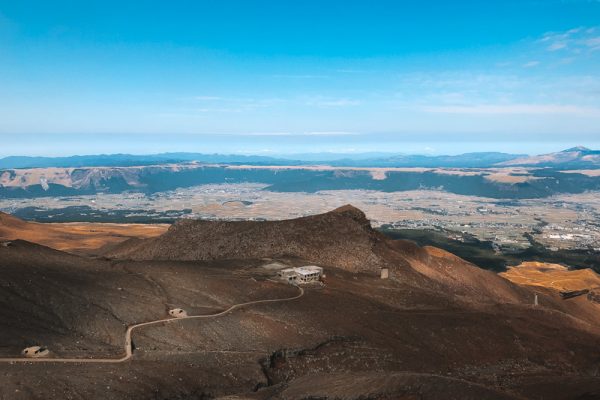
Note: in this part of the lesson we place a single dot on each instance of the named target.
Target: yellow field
(75, 237)
(552, 276)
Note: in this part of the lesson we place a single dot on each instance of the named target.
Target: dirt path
(131, 328)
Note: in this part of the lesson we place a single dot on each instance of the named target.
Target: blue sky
(276, 77)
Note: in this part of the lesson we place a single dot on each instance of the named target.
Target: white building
(301, 275)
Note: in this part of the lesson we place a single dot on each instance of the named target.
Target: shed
(178, 313)
(35, 352)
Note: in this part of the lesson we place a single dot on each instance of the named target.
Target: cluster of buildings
(301, 275)
(584, 236)
(311, 273)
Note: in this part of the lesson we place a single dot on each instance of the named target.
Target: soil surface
(77, 237)
(438, 328)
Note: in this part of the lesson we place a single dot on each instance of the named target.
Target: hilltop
(342, 238)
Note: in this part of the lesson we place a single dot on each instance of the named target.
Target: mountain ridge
(472, 159)
(572, 158)
(259, 239)
(341, 238)
(569, 171)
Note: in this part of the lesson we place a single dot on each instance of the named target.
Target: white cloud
(221, 110)
(309, 133)
(557, 46)
(531, 64)
(534, 109)
(331, 133)
(593, 43)
(216, 104)
(575, 40)
(323, 102)
(352, 71)
(207, 98)
(261, 134)
(299, 76)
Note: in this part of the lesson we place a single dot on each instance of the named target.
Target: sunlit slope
(552, 276)
(74, 237)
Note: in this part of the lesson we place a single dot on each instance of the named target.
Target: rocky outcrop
(342, 238)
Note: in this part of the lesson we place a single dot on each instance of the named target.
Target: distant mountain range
(129, 160)
(491, 174)
(576, 157)
(494, 183)
(467, 160)
(473, 160)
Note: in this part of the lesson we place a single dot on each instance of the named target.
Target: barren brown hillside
(552, 276)
(438, 328)
(74, 237)
(342, 238)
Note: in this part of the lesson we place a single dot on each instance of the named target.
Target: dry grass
(377, 173)
(552, 276)
(77, 237)
(508, 178)
(588, 172)
(28, 177)
(64, 176)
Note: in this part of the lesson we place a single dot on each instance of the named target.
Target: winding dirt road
(131, 328)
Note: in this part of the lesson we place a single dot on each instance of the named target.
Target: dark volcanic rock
(342, 238)
(439, 327)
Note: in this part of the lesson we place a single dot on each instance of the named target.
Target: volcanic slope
(342, 238)
(439, 327)
(554, 276)
(83, 238)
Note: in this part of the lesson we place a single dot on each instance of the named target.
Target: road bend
(131, 328)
